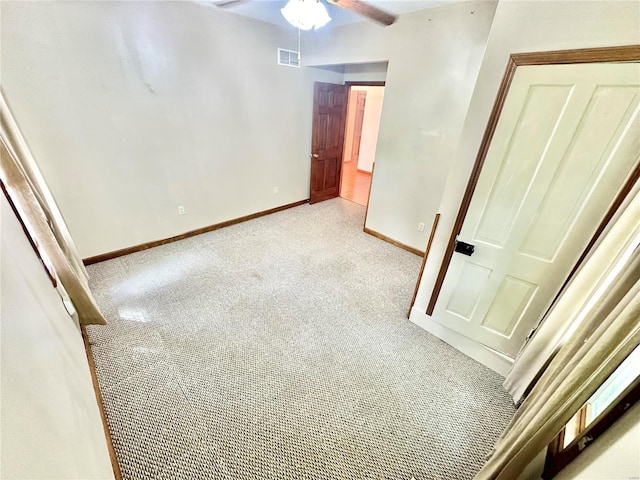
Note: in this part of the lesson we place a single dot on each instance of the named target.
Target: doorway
(364, 109)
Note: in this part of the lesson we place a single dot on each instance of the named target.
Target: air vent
(288, 58)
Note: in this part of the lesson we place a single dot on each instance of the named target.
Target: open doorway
(361, 136)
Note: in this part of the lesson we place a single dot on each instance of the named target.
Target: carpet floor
(279, 349)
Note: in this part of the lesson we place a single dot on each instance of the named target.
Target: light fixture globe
(306, 14)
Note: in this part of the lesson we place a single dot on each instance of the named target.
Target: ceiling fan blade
(366, 10)
(229, 3)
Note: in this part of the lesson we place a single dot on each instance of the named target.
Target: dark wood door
(327, 140)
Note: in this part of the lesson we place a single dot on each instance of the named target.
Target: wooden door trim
(396, 243)
(473, 179)
(191, 233)
(365, 84)
(366, 211)
(434, 226)
(627, 53)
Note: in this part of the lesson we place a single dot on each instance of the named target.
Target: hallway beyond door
(361, 136)
(355, 184)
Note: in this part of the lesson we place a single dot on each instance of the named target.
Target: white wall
(522, 26)
(434, 56)
(134, 108)
(50, 426)
(370, 128)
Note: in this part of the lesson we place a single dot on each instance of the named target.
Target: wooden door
(361, 99)
(327, 140)
(567, 138)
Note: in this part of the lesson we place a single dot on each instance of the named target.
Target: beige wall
(522, 26)
(50, 425)
(134, 108)
(433, 59)
(133, 113)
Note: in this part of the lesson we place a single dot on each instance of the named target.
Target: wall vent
(288, 58)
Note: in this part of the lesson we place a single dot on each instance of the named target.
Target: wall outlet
(421, 227)
(181, 210)
(275, 189)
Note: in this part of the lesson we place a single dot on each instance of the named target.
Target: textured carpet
(279, 349)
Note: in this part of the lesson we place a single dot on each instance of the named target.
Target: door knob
(464, 248)
(314, 155)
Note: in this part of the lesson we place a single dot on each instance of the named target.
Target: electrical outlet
(275, 190)
(181, 210)
(421, 227)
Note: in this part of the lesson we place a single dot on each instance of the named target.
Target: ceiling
(269, 10)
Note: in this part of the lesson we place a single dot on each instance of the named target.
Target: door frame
(360, 84)
(627, 53)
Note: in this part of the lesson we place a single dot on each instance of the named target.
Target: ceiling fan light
(321, 15)
(305, 14)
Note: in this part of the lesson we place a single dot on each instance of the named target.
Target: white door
(567, 138)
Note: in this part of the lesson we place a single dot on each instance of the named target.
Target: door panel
(327, 140)
(472, 281)
(586, 161)
(567, 138)
(361, 99)
(529, 139)
(508, 305)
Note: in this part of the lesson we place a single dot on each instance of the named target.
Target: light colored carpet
(279, 349)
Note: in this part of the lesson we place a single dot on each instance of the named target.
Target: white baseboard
(496, 361)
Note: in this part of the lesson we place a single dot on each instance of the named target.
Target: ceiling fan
(359, 7)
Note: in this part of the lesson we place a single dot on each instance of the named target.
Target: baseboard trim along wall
(144, 246)
(490, 358)
(96, 388)
(393, 242)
